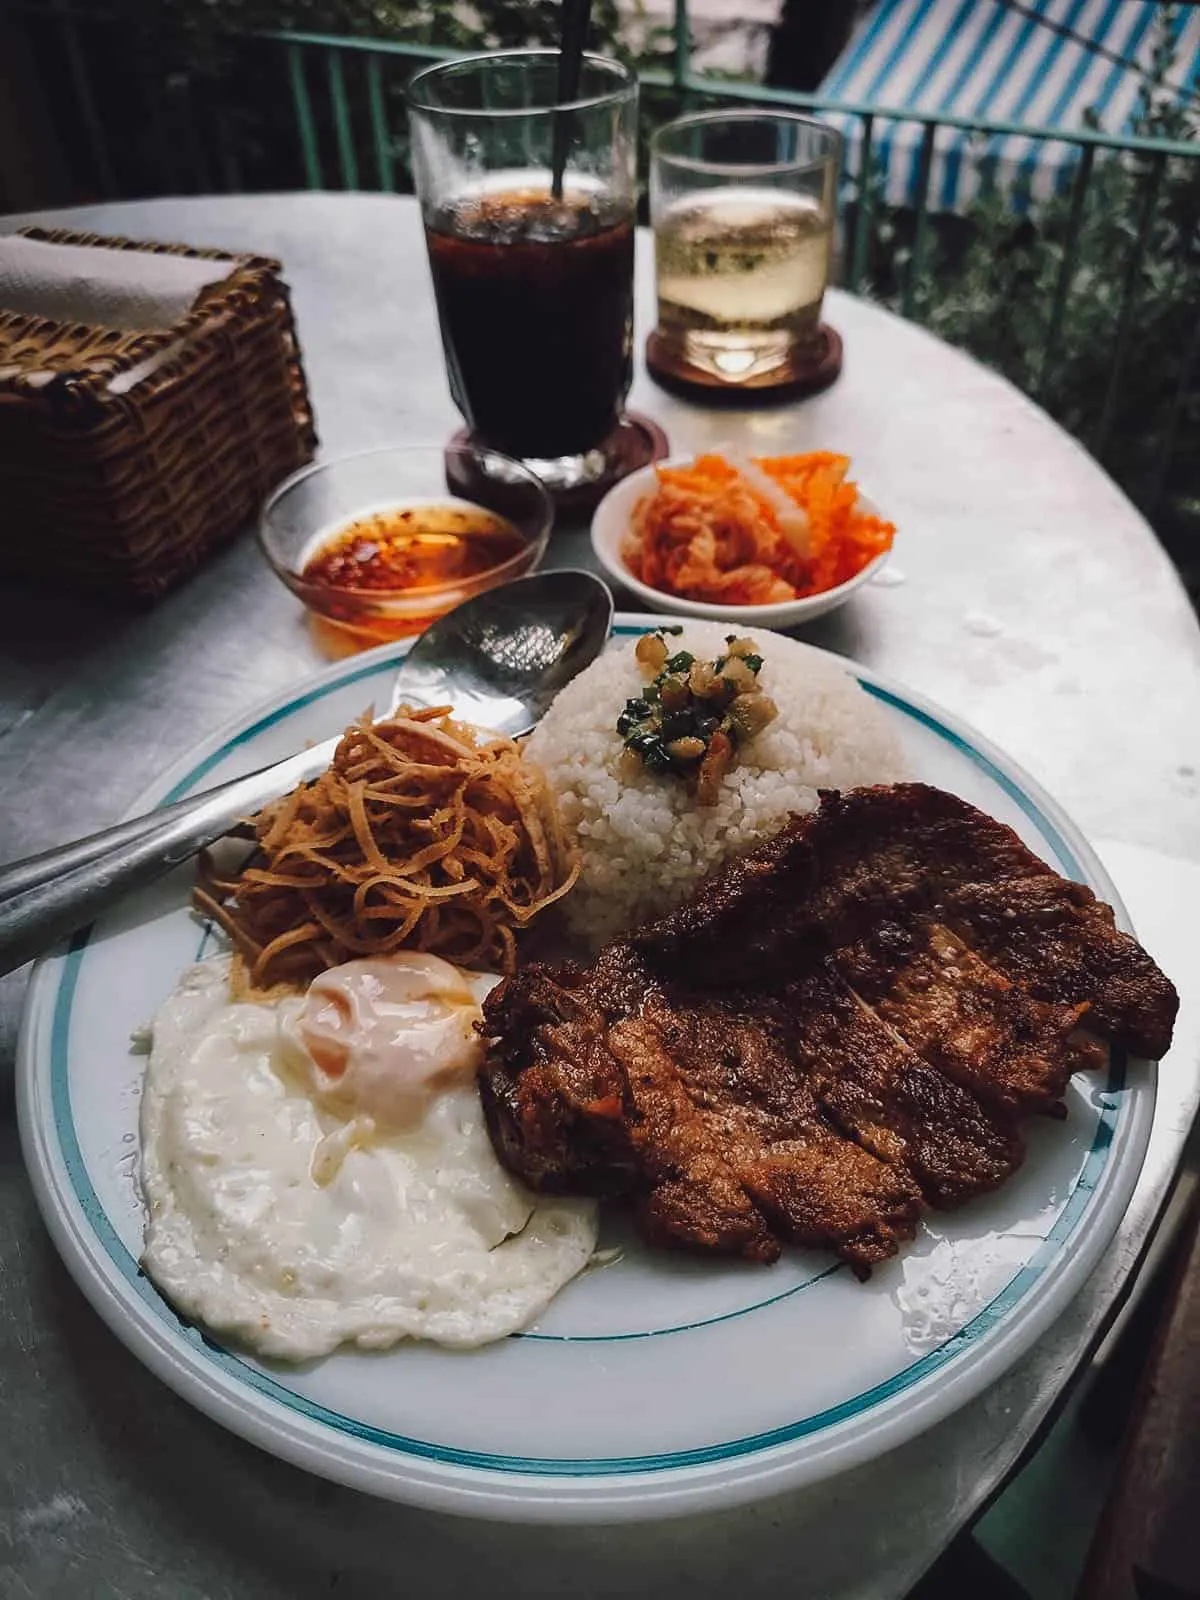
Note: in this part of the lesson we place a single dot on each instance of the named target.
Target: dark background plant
(989, 284)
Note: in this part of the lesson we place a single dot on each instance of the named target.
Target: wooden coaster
(635, 442)
(810, 370)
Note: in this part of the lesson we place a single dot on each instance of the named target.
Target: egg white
(276, 1222)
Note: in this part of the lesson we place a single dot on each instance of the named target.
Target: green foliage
(994, 296)
(195, 30)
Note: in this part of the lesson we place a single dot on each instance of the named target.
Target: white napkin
(130, 289)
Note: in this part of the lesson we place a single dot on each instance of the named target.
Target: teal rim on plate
(45, 1066)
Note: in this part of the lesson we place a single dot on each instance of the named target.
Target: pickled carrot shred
(715, 532)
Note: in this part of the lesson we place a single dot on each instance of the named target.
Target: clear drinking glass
(743, 205)
(534, 286)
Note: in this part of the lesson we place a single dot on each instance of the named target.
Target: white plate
(610, 523)
(653, 1387)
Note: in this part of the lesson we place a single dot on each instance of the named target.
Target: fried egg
(317, 1170)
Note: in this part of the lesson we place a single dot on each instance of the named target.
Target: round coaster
(635, 442)
(809, 370)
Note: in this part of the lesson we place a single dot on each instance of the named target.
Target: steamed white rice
(643, 841)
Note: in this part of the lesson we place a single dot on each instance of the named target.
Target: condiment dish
(305, 515)
(610, 524)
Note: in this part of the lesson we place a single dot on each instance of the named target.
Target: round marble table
(1025, 593)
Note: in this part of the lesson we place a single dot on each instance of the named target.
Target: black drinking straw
(575, 17)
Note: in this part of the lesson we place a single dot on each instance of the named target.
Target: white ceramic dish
(657, 1386)
(610, 523)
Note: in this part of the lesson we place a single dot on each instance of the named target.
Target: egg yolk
(382, 1036)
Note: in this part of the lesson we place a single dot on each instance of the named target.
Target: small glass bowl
(310, 507)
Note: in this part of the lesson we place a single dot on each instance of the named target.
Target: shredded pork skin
(416, 837)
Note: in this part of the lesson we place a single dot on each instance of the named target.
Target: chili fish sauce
(419, 547)
(390, 573)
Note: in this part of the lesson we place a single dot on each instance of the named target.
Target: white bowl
(610, 523)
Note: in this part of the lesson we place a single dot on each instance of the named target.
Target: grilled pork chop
(836, 1030)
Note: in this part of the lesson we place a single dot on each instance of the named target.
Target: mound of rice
(643, 841)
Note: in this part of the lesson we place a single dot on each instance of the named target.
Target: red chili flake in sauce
(425, 547)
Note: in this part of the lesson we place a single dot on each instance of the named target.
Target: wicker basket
(125, 493)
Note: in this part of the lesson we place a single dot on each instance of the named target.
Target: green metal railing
(349, 130)
(382, 58)
(381, 54)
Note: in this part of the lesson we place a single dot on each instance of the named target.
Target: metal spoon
(498, 659)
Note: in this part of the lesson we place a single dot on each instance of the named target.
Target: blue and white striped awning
(1036, 63)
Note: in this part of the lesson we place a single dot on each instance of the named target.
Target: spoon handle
(48, 896)
(34, 870)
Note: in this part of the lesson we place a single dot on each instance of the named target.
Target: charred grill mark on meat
(961, 1015)
(836, 1030)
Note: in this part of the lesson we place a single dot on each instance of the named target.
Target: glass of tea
(528, 207)
(743, 205)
